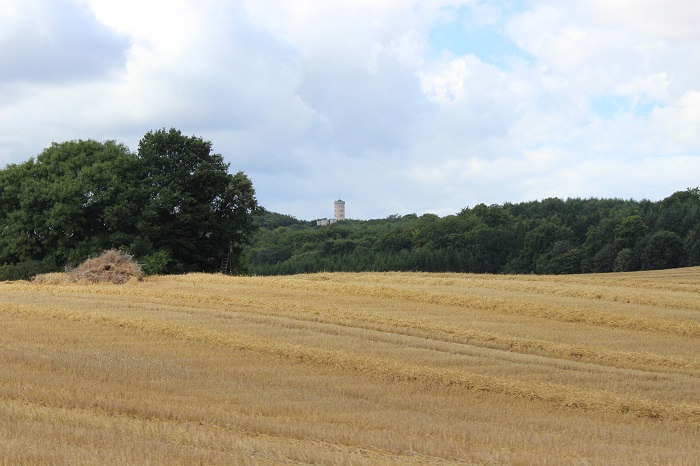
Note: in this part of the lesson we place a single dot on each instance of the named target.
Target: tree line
(172, 204)
(552, 236)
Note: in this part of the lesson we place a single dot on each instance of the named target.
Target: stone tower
(339, 210)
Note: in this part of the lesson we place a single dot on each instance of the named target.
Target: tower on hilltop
(339, 210)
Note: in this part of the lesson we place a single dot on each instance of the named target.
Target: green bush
(156, 263)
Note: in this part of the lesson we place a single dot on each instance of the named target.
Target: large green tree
(189, 207)
(629, 231)
(56, 209)
(663, 251)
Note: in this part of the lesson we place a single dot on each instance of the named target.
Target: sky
(394, 106)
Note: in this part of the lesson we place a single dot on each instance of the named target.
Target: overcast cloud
(397, 106)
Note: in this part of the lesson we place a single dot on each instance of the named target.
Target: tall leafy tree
(190, 207)
(629, 231)
(663, 251)
(680, 212)
(599, 248)
(692, 246)
(54, 208)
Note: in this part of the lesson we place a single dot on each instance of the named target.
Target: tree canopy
(552, 236)
(173, 205)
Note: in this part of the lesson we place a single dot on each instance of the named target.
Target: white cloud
(449, 83)
(56, 42)
(319, 99)
(665, 19)
(677, 127)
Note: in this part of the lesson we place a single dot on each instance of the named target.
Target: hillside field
(366, 368)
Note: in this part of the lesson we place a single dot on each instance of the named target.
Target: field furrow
(300, 315)
(352, 369)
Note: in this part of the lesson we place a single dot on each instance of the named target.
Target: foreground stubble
(353, 369)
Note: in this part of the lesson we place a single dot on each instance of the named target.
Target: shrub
(24, 270)
(156, 263)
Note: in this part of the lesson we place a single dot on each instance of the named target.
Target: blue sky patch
(463, 36)
(609, 105)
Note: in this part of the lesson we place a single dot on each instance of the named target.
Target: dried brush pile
(111, 266)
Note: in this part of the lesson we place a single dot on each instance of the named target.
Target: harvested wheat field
(369, 368)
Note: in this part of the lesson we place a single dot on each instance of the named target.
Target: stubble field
(370, 368)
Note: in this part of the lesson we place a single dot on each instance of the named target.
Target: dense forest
(552, 236)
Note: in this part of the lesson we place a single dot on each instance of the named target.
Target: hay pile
(55, 278)
(111, 266)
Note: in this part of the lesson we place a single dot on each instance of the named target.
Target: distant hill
(552, 236)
